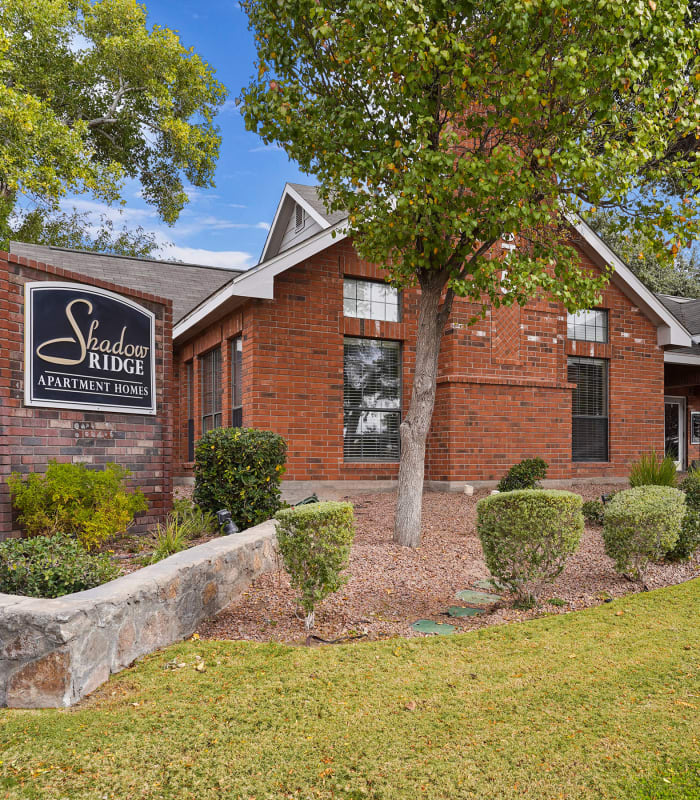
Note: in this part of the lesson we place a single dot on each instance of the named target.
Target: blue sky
(226, 225)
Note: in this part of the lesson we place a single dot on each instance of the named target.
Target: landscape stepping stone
(488, 585)
(480, 598)
(464, 611)
(428, 626)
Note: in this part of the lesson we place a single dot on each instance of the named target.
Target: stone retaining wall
(53, 652)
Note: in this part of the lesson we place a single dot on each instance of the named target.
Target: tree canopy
(90, 95)
(442, 126)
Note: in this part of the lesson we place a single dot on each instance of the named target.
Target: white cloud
(230, 259)
(265, 148)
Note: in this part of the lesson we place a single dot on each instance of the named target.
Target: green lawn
(595, 704)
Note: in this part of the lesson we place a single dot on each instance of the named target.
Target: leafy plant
(524, 475)
(649, 470)
(527, 535)
(91, 505)
(171, 538)
(240, 469)
(691, 487)
(688, 538)
(593, 511)
(193, 519)
(642, 525)
(315, 542)
(51, 566)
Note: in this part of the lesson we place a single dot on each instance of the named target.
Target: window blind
(211, 390)
(589, 409)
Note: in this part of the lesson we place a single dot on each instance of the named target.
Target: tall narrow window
(589, 409)
(588, 326)
(189, 398)
(237, 382)
(211, 390)
(372, 400)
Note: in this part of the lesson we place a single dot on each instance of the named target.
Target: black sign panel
(695, 427)
(89, 349)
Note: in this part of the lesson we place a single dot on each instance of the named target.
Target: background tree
(440, 126)
(89, 96)
(658, 269)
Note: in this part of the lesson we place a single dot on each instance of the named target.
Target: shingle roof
(685, 310)
(310, 194)
(187, 285)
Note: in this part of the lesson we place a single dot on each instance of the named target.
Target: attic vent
(299, 217)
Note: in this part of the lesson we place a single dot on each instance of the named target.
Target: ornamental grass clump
(315, 542)
(91, 505)
(240, 469)
(650, 470)
(51, 566)
(527, 536)
(642, 525)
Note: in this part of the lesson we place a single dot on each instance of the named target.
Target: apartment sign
(88, 349)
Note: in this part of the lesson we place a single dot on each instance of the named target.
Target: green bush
(691, 487)
(91, 505)
(315, 542)
(240, 469)
(525, 475)
(593, 511)
(688, 538)
(642, 525)
(650, 471)
(51, 566)
(527, 535)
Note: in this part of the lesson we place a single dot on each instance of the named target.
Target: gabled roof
(685, 309)
(187, 285)
(307, 197)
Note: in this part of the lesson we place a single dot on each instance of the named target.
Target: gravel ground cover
(391, 587)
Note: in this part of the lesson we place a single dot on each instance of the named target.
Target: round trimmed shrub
(240, 469)
(51, 566)
(642, 525)
(527, 536)
(315, 541)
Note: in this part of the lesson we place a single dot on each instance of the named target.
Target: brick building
(313, 344)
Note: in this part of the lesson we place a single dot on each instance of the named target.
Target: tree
(89, 95)
(78, 231)
(441, 126)
(659, 270)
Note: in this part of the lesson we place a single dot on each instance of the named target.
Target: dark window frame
(574, 327)
(236, 363)
(189, 407)
(355, 280)
(359, 449)
(211, 372)
(585, 427)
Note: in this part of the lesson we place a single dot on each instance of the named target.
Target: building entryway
(674, 430)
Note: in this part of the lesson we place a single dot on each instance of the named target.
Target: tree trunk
(414, 428)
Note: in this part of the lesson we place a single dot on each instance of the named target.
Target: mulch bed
(391, 587)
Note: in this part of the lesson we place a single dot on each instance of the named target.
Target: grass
(596, 704)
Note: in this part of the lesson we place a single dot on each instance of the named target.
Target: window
(370, 300)
(237, 382)
(211, 390)
(372, 400)
(189, 407)
(589, 409)
(588, 326)
(299, 217)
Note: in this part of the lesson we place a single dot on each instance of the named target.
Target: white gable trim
(259, 281)
(669, 330)
(289, 193)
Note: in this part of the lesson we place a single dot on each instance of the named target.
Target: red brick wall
(32, 436)
(502, 391)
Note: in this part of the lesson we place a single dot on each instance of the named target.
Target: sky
(224, 226)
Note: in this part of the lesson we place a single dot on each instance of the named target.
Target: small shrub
(315, 542)
(171, 538)
(192, 519)
(593, 511)
(688, 538)
(240, 469)
(642, 525)
(527, 535)
(691, 487)
(525, 475)
(51, 566)
(91, 505)
(650, 471)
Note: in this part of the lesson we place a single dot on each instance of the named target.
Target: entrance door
(674, 435)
